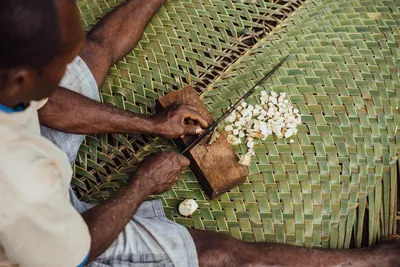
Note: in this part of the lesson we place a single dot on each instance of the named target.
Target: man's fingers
(184, 161)
(192, 130)
(173, 106)
(190, 122)
(193, 108)
(193, 115)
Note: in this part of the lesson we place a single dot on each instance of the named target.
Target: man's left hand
(178, 120)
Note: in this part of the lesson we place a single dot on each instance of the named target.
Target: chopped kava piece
(214, 136)
(188, 207)
(246, 158)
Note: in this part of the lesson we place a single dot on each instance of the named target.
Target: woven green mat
(337, 182)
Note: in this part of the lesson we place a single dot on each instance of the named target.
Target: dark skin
(159, 173)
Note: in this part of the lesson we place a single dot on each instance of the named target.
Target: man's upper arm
(38, 224)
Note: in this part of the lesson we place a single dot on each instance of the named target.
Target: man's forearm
(120, 30)
(107, 220)
(71, 112)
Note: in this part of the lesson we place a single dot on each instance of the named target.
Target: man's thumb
(184, 161)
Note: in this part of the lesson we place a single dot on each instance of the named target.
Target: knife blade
(232, 108)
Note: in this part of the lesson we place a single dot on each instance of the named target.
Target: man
(38, 224)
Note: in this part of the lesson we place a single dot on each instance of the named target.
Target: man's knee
(98, 57)
(215, 249)
(211, 256)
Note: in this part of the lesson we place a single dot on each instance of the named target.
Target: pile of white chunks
(276, 115)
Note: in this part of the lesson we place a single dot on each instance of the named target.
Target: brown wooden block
(215, 166)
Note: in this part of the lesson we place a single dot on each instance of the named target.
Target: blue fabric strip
(84, 261)
(11, 110)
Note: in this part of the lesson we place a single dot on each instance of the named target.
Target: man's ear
(15, 84)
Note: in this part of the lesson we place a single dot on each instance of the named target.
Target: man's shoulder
(31, 166)
(13, 142)
(34, 205)
(8, 134)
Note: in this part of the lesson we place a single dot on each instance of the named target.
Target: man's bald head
(29, 33)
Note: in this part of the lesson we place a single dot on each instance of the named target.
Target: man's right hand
(159, 172)
(173, 122)
(155, 175)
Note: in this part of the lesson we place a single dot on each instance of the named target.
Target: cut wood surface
(215, 166)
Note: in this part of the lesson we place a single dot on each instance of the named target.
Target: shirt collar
(12, 110)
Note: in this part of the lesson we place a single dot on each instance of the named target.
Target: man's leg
(116, 35)
(215, 249)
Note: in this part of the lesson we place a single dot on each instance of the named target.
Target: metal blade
(232, 108)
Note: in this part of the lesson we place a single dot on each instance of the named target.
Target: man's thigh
(150, 239)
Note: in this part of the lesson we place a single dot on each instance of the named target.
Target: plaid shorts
(149, 239)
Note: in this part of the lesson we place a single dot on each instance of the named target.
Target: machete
(233, 107)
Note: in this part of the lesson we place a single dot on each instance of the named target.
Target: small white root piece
(214, 137)
(188, 207)
(289, 133)
(250, 144)
(228, 128)
(231, 119)
(246, 158)
(231, 139)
